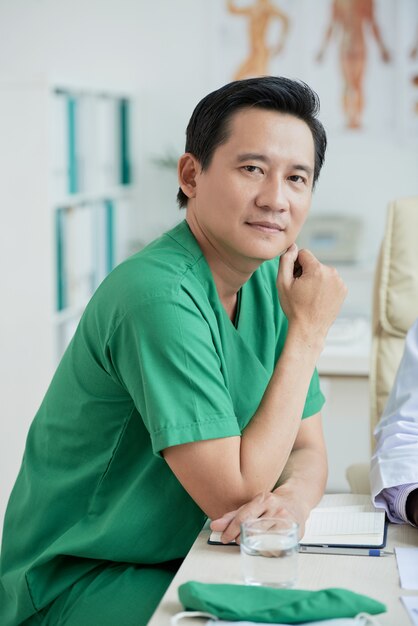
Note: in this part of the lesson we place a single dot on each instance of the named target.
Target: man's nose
(274, 196)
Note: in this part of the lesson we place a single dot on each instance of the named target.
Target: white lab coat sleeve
(395, 461)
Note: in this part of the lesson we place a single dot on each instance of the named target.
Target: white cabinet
(344, 373)
(346, 426)
(90, 187)
(48, 174)
(66, 209)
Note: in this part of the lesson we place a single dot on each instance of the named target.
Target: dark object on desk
(215, 540)
(266, 604)
(411, 507)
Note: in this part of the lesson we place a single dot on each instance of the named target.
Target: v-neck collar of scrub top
(184, 236)
(242, 346)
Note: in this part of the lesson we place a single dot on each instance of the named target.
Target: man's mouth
(267, 227)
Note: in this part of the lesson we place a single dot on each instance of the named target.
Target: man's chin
(267, 252)
(268, 256)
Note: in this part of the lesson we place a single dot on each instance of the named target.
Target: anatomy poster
(360, 55)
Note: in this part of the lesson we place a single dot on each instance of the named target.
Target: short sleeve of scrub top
(174, 372)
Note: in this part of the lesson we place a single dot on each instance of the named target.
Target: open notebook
(346, 523)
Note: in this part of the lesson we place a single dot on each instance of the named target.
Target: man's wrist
(292, 491)
(411, 507)
(307, 344)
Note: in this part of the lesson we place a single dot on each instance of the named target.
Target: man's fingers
(287, 263)
(233, 530)
(297, 269)
(264, 505)
(294, 263)
(254, 509)
(306, 258)
(221, 523)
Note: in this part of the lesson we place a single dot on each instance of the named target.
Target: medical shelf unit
(68, 201)
(91, 180)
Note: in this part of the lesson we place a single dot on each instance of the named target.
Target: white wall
(170, 54)
(363, 169)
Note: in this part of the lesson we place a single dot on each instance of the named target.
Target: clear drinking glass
(269, 552)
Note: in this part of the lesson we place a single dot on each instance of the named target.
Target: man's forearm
(300, 489)
(223, 475)
(268, 440)
(311, 302)
(304, 478)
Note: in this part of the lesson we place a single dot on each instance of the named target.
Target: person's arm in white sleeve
(394, 466)
(400, 503)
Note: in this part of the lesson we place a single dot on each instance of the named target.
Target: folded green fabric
(266, 604)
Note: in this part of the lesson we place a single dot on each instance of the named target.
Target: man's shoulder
(159, 270)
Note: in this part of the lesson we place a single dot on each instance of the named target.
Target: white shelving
(90, 195)
(64, 152)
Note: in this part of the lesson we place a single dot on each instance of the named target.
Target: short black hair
(209, 125)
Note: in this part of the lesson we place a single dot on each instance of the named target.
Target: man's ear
(187, 169)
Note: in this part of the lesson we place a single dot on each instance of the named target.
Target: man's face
(252, 200)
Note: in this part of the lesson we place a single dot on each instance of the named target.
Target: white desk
(373, 576)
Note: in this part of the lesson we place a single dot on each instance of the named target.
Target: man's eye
(296, 178)
(252, 168)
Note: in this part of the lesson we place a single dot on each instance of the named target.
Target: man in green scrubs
(183, 392)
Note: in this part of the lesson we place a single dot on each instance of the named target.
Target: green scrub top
(155, 362)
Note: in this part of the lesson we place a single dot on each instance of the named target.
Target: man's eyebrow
(252, 156)
(304, 168)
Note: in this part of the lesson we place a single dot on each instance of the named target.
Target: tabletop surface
(373, 576)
